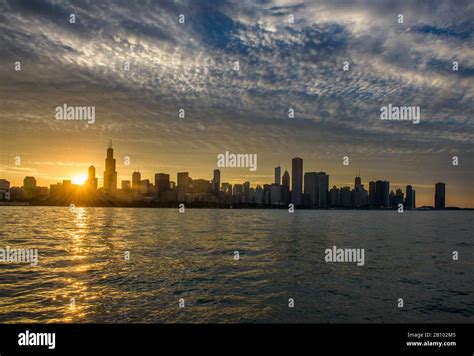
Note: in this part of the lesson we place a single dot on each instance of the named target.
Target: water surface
(191, 256)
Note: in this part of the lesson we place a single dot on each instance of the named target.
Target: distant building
(126, 185)
(216, 182)
(4, 189)
(275, 194)
(201, 186)
(29, 186)
(162, 183)
(399, 198)
(286, 179)
(144, 186)
(136, 180)
(296, 181)
(259, 195)
(266, 194)
(278, 175)
(226, 189)
(382, 194)
(346, 197)
(64, 192)
(323, 188)
(110, 174)
(238, 190)
(410, 198)
(334, 197)
(311, 188)
(372, 200)
(440, 195)
(246, 192)
(360, 197)
(357, 182)
(392, 198)
(91, 181)
(183, 181)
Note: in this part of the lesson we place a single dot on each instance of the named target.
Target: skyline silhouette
(302, 189)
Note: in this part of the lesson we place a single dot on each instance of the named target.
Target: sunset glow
(79, 179)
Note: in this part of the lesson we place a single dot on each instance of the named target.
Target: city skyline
(311, 189)
(240, 77)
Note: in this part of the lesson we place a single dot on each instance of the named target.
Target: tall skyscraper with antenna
(110, 174)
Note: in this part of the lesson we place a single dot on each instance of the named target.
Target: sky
(283, 65)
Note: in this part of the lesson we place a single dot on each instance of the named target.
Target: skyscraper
(382, 194)
(440, 195)
(91, 179)
(372, 194)
(183, 181)
(334, 198)
(110, 174)
(216, 182)
(286, 179)
(345, 197)
(323, 188)
(311, 187)
(410, 198)
(29, 186)
(275, 194)
(398, 198)
(386, 194)
(162, 182)
(285, 188)
(357, 182)
(136, 180)
(278, 175)
(246, 192)
(296, 180)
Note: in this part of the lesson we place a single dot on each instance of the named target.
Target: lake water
(83, 275)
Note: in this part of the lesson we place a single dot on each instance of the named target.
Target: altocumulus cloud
(282, 65)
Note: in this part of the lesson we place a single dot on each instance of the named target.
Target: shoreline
(240, 206)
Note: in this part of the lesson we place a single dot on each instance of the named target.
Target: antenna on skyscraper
(110, 143)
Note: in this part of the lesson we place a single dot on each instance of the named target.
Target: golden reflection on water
(76, 291)
(82, 275)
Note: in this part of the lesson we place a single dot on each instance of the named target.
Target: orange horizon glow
(79, 179)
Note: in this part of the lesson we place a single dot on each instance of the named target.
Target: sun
(79, 179)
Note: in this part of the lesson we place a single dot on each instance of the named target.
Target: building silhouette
(286, 179)
(360, 197)
(440, 195)
(29, 186)
(278, 175)
(410, 202)
(183, 181)
(126, 185)
(136, 180)
(296, 181)
(322, 190)
(346, 197)
(311, 188)
(162, 182)
(334, 197)
(382, 194)
(110, 173)
(91, 179)
(372, 195)
(216, 182)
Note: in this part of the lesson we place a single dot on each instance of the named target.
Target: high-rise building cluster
(303, 189)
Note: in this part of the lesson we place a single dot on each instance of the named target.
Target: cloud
(282, 65)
